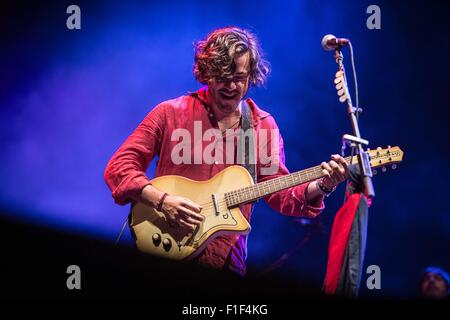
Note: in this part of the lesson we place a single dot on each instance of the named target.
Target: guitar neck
(262, 189)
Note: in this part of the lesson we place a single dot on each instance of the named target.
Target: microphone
(330, 42)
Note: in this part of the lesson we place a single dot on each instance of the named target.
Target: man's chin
(228, 106)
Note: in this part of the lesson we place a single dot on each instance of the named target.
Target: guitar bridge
(214, 201)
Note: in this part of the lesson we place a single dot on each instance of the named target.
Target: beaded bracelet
(326, 191)
(161, 201)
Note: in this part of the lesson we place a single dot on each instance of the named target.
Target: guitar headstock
(382, 157)
(339, 82)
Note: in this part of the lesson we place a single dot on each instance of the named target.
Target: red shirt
(125, 172)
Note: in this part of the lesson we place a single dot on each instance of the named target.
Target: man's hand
(182, 211)
(335, 171)
(178, 210)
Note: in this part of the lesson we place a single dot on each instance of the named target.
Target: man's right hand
(178, 210)
(182, 211)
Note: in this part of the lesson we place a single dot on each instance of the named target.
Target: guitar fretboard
(262, 189)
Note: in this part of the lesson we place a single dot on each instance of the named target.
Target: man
(435, 284)
(228, 61)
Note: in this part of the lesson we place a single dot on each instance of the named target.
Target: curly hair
(214, 56)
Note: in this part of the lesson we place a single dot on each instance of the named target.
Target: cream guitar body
(156, 236)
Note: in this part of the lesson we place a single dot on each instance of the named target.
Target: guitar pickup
(216, 206)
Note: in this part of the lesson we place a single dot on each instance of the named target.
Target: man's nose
(231, 85)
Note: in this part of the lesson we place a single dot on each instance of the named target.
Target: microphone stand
(356, 140)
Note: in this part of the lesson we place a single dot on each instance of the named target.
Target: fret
(292, 179)
(258, 191)
(272, 186)
(266, 187)
(305, 175)
(297, 179)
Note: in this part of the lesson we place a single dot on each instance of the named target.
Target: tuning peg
(338, 73)
(343, 98)
(338, 80)
(339, 85)
(341, 92)
(384, 169)
(394, 166)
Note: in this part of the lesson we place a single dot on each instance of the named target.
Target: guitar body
(155, 235)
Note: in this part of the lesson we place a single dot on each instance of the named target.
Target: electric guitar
(220, 198)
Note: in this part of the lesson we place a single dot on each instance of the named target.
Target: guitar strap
(247, 142)
(248, 145)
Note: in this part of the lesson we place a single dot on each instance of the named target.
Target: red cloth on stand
(340, 233)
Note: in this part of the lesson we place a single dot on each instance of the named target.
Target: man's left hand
(334, 171)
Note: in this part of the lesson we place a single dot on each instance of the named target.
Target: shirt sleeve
(125, 171)
(291, 201)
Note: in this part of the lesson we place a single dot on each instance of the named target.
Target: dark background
(68, 99)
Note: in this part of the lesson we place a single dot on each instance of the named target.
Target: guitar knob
(156, 238)
(167, 244)
(394, 166)
(383, 169)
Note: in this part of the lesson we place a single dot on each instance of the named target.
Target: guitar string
(220, 204)
(276, 181)
(269, 184)
(210, 203)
